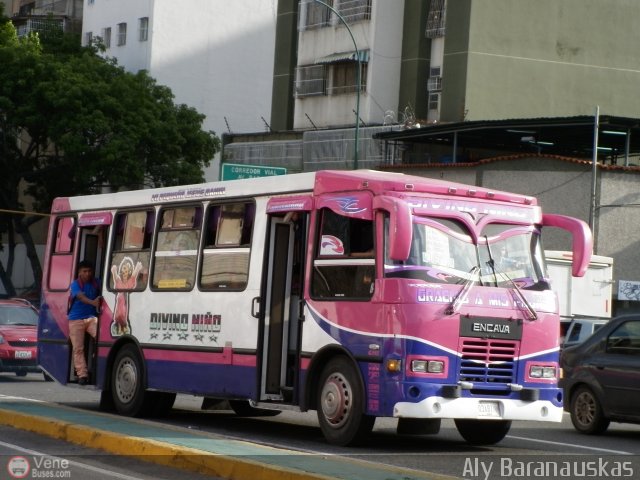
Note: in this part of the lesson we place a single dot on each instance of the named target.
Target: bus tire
(242, 408)
(340, 404)
(127, 384)
(483, 432)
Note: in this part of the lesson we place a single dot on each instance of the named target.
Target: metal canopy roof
(350, 56)
(570, 136)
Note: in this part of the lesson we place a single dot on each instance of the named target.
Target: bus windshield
(443, 251)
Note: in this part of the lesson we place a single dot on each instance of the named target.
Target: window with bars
(344, 77)
(88, 37)
(106, 37)
(314, 14)
(310, 81)
(436, 19)
(143, 29)
(434, 101)
(354, 10)
(122, 34)
(435, 79)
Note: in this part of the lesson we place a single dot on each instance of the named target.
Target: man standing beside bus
(83, 311)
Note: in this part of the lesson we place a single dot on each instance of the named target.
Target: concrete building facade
(452, 61)
(215, 55)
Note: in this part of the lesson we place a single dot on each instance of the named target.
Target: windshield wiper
(530, 310)
(533, 315)
(464, 291)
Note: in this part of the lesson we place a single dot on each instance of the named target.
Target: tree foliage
(73, 122)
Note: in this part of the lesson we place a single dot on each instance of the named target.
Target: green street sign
(231, 171)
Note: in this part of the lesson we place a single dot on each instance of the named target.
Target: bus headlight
(427, 366)
(540, 371)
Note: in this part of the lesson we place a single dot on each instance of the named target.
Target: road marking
(71, 462)
(11, 397)
(584, 447)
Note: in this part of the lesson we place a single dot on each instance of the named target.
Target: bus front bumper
(480, 409)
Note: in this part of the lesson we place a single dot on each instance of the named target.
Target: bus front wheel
(340, 404)
(127, 386)
(483, 432)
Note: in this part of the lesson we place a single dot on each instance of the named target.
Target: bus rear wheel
(340, 404)
(127, 385)
(483, 432)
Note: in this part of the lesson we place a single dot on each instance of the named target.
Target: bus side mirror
(582, 240)
(400, 225)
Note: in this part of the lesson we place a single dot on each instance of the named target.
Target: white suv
(577, 330)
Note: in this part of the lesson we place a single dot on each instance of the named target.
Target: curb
(220, 457)
(161, 453)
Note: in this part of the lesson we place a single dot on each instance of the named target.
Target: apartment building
(215, 55)
(452, 61)
(41, 15)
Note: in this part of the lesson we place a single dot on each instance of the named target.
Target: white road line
(11, 397)
(71, 462)
(584, 447)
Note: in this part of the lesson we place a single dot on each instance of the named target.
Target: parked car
(601, 376)
(576, 330)
(18, 336)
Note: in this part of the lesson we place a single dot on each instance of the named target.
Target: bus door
(282, 313)
(93, 229)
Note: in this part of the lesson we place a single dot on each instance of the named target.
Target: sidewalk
(190, 450)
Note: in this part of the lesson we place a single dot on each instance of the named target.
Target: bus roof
(324, 181)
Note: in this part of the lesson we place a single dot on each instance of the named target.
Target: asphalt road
(51, 458)
(527, 447)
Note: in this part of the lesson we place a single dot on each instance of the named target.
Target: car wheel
(586, 412)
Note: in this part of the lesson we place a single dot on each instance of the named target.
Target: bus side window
(62, 254)
(130, 256)
(344, 265)
(225, 260)
(176, 252)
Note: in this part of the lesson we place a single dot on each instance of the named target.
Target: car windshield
(17, 315)
(443, 251)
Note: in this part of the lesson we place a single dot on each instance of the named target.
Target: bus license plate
(489, 409)
(23, 354)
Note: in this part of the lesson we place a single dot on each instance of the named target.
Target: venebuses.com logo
(38, 467)
(18, 467)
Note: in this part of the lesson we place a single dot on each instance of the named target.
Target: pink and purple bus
(358, 294)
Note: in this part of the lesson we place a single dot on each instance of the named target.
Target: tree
(73, 122)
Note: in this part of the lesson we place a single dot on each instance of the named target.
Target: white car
(577, 330)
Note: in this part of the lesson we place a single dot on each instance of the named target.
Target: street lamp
(355, 46)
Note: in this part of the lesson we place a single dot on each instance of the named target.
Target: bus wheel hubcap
(336, 400)
(127, 380)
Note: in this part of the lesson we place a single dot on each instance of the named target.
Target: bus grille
(488, 361)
